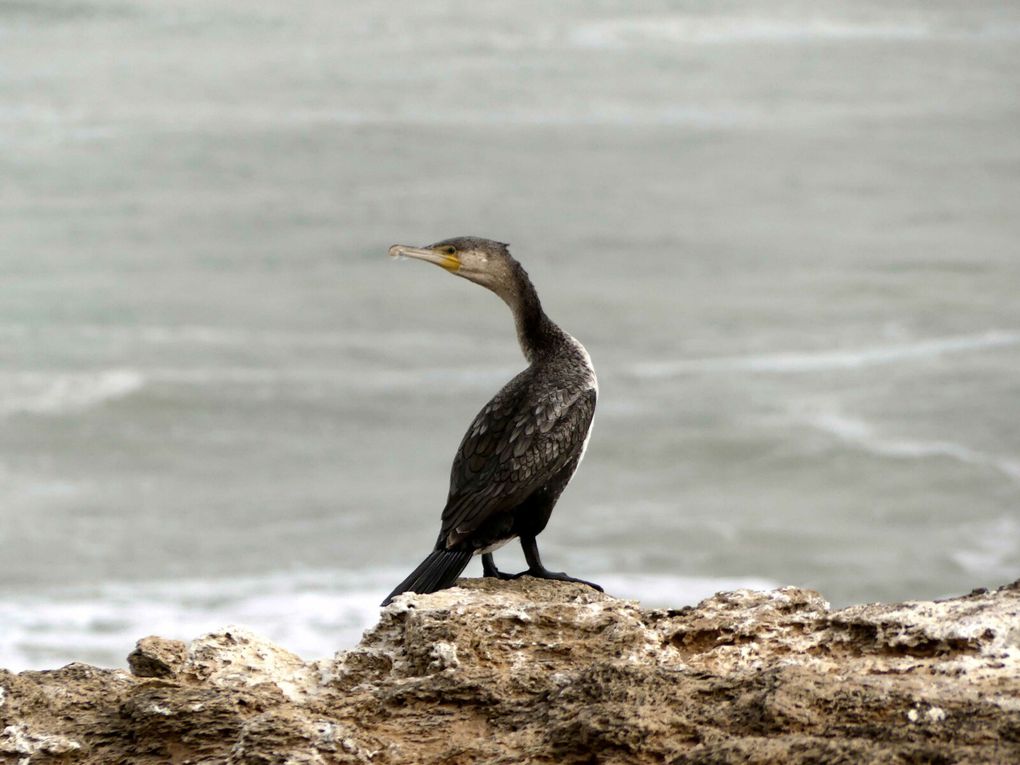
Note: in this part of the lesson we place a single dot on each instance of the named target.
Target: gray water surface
(787, 232)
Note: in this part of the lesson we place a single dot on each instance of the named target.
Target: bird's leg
(489, 568)
(537, 570)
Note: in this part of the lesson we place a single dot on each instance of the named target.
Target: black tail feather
(436, 572)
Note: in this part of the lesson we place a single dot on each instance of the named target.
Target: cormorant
(522, 449)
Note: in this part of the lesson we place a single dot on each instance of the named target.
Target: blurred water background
(786, 231)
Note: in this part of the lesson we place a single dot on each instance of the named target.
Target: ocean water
(788, 233)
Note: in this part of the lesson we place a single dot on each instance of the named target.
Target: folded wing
(515, 445)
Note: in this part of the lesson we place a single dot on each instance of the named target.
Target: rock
(21, 740)
(157, 657)
(547, 672)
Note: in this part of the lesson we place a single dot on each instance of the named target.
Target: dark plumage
(522, 449)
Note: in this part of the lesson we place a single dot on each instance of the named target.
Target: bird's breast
(586, 368)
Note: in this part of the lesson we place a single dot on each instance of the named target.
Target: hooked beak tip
(449, 262)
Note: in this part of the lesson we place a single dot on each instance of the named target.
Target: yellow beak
(442, 259)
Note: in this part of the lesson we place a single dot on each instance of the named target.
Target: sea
(788, 233)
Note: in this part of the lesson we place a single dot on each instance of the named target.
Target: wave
(990, 551)
(101, 624)
(627, 33)
(59, 393)
(793, 363)
(62, 393)
(860, 434)
(203, 335)
(312, 613)
(714, 30)
(663, 590)
(361, 379)
(608, 113)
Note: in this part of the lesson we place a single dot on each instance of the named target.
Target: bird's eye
(449, 249)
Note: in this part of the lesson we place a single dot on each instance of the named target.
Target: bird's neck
(536, 332)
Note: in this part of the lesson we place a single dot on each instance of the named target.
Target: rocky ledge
(541, 672)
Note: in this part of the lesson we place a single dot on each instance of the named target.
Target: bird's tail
(436, 572)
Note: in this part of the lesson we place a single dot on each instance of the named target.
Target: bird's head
(482, 261)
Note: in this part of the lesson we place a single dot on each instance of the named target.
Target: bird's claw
(501, 575)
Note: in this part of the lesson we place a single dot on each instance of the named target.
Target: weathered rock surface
(541, 672)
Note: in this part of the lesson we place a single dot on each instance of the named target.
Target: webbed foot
(559, 576)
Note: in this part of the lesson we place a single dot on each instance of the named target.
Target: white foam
(246, 338)
(312, 613)
(58, 393)
(374, 380)
(306, 612)
(660, 590)
(862, 435)
(218, 336)
(623, 33)
(795, 363)
(990, 551)
(562, 113)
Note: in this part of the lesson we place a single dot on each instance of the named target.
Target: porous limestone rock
(548, 672)
(157, 657)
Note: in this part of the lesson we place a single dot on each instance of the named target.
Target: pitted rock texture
(547, 672)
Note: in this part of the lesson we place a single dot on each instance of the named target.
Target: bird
(523, 447)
